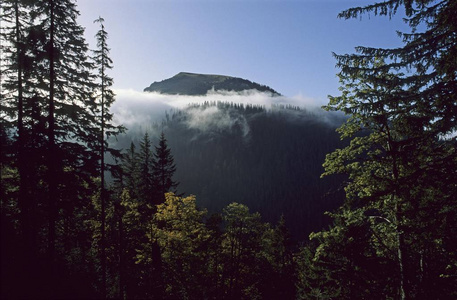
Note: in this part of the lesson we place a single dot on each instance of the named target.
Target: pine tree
(61, 125)
(278, 276)
(163, 170)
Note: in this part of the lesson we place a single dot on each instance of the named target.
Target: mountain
(199, 84)
(268, 158)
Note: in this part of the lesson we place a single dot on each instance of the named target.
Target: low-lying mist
(138, 110)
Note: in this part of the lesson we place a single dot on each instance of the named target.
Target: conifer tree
(279, 274)
(402, 157)
(66, 84)
(14, 30)
(21, 119)
(47, 83)
(62, 105)
(104, 98)
(145, 170)
(163, 170)
(129, 171)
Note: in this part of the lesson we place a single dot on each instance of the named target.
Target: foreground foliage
(399, 215)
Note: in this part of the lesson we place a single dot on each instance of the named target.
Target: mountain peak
(186, 83)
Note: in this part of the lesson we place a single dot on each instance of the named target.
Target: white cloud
(133, 108)
(213, 118)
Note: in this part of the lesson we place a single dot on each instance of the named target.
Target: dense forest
(81, 219)
(269, 159)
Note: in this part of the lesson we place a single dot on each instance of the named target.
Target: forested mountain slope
(268, 159)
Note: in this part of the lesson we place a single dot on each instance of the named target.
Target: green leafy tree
(182, 237)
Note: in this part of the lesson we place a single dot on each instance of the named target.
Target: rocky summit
(199, 84)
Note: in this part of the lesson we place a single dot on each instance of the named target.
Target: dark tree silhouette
(163, 170)
(104, 98)
(145, 170)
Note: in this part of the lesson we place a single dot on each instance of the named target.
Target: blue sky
(285, 44)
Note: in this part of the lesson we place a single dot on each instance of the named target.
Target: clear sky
(285, 44)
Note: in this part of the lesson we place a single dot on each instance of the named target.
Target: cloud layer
(133, 108)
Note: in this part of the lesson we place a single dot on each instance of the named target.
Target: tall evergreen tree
(104, 98)
(59, 124)
(163, 170)
(21, 119)
(145, 171)
(278, 275)
(14, 48)
(63, 128)
(402, 159)
(129, 171)
(66, 85)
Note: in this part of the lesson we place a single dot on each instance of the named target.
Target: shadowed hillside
(268, 159)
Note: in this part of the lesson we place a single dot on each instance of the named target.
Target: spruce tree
(66, 83)
(163, 170)
(242, 252)
(145, 171)
(60, 125)
(63, 97)
(13, 40)
(129, 170)
(104, 98)
(402, 158)
(21, 119)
